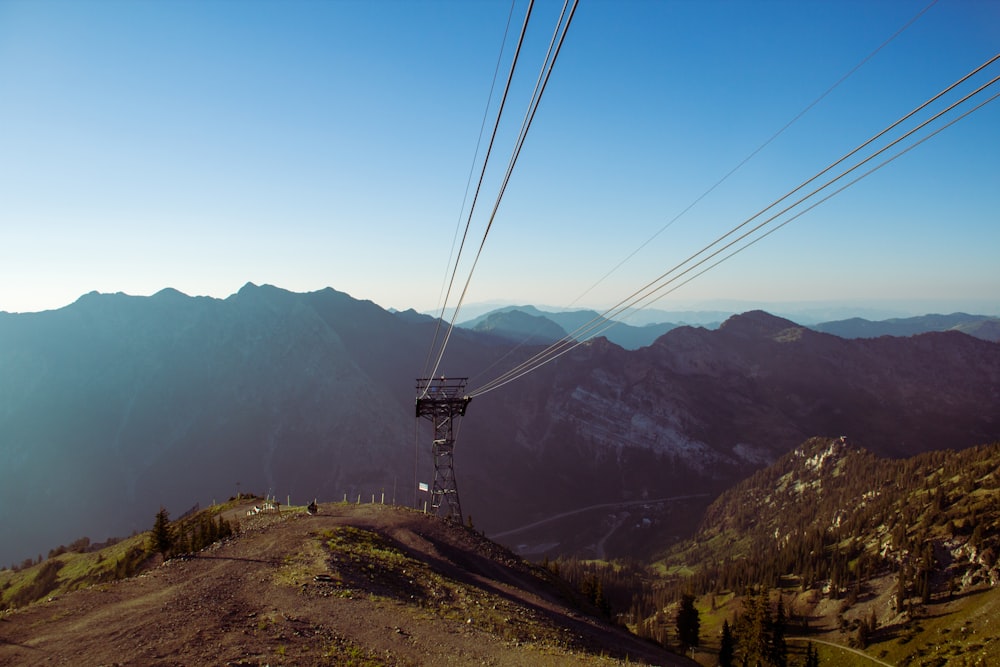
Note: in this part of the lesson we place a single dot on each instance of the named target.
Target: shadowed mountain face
(115, 405)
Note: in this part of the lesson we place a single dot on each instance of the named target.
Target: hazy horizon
(808, 312)
(202, 146)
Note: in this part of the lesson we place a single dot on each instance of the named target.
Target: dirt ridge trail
(354, 584)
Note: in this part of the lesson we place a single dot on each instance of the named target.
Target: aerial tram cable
(645, 293)
(754, 153)
(443, 401)
(605, 325)
(468, 223)
(544, 75)
(650, 289)
(614, 311)
(442, 296)
(650, 296)
(653, 296)
(829, 196)
(547, 67)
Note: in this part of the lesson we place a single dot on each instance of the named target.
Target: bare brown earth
(353, 585)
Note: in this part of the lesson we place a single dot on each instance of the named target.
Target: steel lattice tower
(443, 401)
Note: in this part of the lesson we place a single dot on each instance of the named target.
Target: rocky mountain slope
(897, 557)
(350, 585)
(829, 503)
(116, 404)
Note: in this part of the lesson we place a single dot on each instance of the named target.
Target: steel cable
(637, 297)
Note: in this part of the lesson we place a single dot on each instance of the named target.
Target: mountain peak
(247, 289)
(170, 293)
(265, 291)
(756, 324)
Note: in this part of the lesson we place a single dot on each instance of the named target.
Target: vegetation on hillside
(84, 563)
(832, 531)
(831, 515)
(831, 541)
(897, 558)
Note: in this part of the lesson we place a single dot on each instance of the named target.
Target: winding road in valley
(617, 506)
(840, 646)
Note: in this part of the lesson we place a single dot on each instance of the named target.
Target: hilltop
(354, 584)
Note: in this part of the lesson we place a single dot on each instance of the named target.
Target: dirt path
(451, 598)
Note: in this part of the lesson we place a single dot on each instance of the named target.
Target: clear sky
(305, 144)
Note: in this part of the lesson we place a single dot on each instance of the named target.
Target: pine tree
(688, 623)
(727, 646)
(812, 656)
(779, 649)
(901, 590)
(754, 630)
(163, 537)
(182, 543)
(225, 529)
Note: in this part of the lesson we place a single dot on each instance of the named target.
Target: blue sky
(202, 145)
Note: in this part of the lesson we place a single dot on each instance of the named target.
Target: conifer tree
(861, 638)
(688, 623)
(779, 649)
(812, 656)
(163, 537)
(754, 630)
(182, 543)
(727, 646)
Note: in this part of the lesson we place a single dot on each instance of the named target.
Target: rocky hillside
(350, 585)
(832, 512)
(897, 557)
(699, 408)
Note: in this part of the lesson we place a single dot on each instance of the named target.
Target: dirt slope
(354, 585)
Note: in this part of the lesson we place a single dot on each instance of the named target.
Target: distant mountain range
(980, 326)
(532, 325)
(527, 323)
(115, 405)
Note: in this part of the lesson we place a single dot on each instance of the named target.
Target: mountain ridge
(635, 336)
(116, 404)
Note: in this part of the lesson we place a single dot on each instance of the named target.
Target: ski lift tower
(443, 401)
